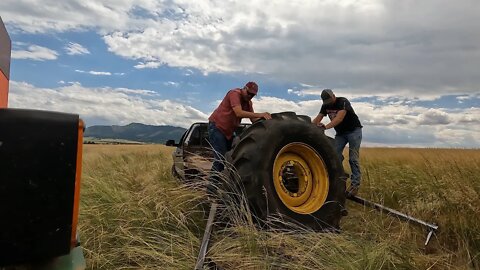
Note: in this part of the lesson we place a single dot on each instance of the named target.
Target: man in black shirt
(348, 130)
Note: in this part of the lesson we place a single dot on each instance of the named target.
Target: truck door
(178, 157)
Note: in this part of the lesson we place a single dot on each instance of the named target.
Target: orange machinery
(5, 49)
(40, 172)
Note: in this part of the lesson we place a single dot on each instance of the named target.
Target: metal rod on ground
(206, 237)
(430, 227)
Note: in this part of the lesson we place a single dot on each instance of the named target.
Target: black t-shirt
(349, 123)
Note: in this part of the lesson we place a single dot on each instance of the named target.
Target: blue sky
(409, 68)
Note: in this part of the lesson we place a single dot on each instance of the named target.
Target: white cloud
(475, 95)
(397, 124)
(394, 95)
(137, 91)
(368, 47)
(188, 72)
(105, 105)
(398, 52)
(170, 83)
(51, 15)
(99, 73)
(394, 125)
(36, 53)
(434, 117)
(147, 65)
(92, 72)
(469, 117)
(376, 47)
(76, 49)
(295, 92)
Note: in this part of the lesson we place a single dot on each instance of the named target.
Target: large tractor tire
(288, 168)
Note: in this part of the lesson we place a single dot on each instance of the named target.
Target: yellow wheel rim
(300, 178)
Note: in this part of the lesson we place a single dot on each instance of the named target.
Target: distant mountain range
(136, 132)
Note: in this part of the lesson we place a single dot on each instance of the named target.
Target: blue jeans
(220, 145)
(354, 139)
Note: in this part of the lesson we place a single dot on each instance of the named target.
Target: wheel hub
(293, 178)
(300, 178)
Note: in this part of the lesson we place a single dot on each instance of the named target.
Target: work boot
(352, 190)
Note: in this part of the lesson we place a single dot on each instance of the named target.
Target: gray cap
(327, 96)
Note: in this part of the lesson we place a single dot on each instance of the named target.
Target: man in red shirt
(237, 104)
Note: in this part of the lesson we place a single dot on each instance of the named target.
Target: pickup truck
(193, 156)
(285, 167)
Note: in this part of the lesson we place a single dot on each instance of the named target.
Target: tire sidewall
(281, 133)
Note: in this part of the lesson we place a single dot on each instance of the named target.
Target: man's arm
(337, 120)
(244, 114)
(318, 119)
(253, 120)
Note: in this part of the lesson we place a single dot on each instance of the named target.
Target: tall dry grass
(134, 215)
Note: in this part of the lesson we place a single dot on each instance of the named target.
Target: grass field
(135, 215)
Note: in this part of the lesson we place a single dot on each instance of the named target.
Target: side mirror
(170, 143)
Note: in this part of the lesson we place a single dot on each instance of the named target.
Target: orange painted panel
(3, 91)
(5, 50)
(78, 177)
